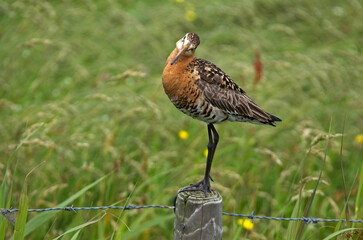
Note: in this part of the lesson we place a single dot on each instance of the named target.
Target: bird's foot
(203, 186)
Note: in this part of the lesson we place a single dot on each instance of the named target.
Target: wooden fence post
(198, 217)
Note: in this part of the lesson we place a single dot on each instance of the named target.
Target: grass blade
(3, 200)
(11, 219)
(238, 232)
(75, 236)
(80, 227)
(23, 212)
(307, 209)
(152, 222)
(334, 234)
(3, 191)
(346, 207)
(337, 227)
(292, 224)
(121, 217)
(359, 194)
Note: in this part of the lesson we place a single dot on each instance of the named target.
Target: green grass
(80, 90)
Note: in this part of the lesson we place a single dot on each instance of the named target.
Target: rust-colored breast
(178, 83)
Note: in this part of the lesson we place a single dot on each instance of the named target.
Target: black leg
(212, 145)
(204, 185)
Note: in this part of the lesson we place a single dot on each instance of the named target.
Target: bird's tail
(272, 120)
(261, 116)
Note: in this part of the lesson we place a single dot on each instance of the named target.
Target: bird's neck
(182, 61)
(172, 75)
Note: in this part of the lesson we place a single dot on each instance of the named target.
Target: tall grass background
(83, 114)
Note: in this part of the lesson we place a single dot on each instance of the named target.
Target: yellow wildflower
(247, 224)
(190, 15)
(205, 152)
(359, 138)
(183, 134)
(240, 221)
(179, 1)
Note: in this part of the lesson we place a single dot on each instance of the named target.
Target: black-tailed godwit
(201, 90)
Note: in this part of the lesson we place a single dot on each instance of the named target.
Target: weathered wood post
(198, 217)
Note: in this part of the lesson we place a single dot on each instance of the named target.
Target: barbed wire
(8, 212)
(306, 220)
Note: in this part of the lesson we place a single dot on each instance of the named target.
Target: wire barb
(309, 220)
(70, 209)
(252, 216)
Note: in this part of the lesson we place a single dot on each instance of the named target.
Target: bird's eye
(184, 37)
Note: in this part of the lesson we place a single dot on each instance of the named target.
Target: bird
(203, 91)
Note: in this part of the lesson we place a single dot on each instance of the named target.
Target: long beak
(179, 54)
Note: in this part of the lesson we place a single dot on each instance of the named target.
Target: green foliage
(80, 89)
(79, 228)
(338, 233)
(358, 200)
(22, 215)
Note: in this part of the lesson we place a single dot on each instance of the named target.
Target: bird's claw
(203, 186)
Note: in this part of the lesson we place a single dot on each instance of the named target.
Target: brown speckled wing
(222, 92)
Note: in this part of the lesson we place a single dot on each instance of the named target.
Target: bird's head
(186, 45)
